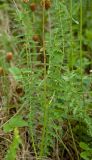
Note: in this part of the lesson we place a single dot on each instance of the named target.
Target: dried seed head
(1, 71)
(25, 1)
(33, 6)
(46, 4)
(9, 56)
(39, 127)
(19, 90)
(35, 38)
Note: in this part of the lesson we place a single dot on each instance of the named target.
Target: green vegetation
(46, 80)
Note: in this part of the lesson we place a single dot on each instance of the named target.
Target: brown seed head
(1, 71)
(19, 90)
(35, 38)
(9, 56)
(46, 4)
(33, 6)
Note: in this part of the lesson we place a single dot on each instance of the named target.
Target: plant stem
(73, 140)
(71, 34)
(65, 147)
(81, 53)
(33, 143)
(45, 88)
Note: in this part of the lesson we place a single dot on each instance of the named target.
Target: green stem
(33, 143)
(71, 34)
(81, 54)
(45, 88)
